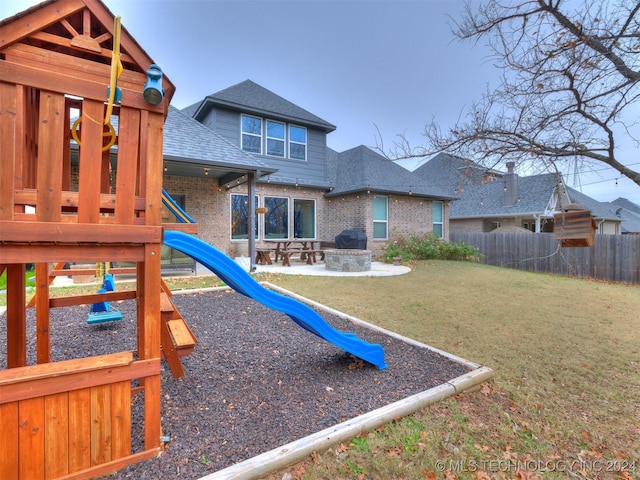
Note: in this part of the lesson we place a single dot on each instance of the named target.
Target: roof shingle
(250, 97)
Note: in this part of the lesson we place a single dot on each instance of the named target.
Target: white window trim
(289, 220)
(441, 222)
(283, 139)
(315, 216)
(386, 221)
(231, 218)
(243, 133)
(264, 138)
(290, 142)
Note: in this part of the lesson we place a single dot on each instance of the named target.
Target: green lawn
(565, 400)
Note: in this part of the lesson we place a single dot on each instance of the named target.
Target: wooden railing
(69, 416)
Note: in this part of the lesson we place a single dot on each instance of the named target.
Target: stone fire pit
(347, 260)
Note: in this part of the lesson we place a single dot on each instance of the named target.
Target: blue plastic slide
(174, 208)
(233, 275)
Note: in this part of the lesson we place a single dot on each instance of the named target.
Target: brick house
(247, 142)
(488, 199)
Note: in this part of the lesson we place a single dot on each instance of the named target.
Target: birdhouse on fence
(574, 227)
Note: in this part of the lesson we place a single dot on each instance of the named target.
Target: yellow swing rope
(116, 70)
(102, 268)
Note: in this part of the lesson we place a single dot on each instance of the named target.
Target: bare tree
(570, 80)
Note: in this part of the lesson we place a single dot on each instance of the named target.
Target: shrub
(427, 247)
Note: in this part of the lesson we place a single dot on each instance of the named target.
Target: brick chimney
(510, 186)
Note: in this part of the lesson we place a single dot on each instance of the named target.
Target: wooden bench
(290, 250)
(286, 256)
(263, 256)
(310, 255)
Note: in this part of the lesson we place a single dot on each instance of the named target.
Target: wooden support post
(149, 346)
(16, 316)
(52, 277)
(43, 340)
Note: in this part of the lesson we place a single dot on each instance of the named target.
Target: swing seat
(101, 311)
(102, 317)
(108, 283)
(99, 307)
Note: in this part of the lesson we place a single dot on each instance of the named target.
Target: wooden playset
(76, 189)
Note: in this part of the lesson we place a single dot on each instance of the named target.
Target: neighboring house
(247, 142)
(629, 212)
(491, 199)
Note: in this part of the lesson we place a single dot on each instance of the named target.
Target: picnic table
(308, 249)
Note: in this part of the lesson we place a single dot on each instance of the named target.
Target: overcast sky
(357, 64)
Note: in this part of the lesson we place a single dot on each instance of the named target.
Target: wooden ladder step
(183, 338)
(165, 304)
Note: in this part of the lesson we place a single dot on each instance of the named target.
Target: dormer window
(280, 139)
(275, 138)
(297, 142)
(251, 134)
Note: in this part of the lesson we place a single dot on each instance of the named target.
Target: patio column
(251, 243)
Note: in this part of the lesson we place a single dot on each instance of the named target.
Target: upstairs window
(275, 138)
(297, 142)
(251, 134)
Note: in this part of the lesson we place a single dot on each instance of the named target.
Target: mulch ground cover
(255, 381)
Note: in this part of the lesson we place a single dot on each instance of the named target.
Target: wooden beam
(92, 298)
(83, 253)
(8, 139)
(43, 336)
(60, 232)
(90, 156)
(128, 157)
(39, 380)
(114, 465)
(16, 316)
(50, 280)
(50, 155)
(29, 196)
(37, 20)
(46, 79)
(38, 57)
(191, 228)
(149, 320)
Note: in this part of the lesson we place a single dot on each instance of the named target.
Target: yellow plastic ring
(111, 133)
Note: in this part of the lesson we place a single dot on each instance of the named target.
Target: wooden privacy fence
(614, 258)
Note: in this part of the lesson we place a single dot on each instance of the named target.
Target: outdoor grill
(352, 239)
